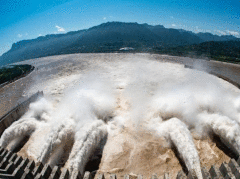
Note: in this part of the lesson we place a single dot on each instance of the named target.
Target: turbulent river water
(138, 113)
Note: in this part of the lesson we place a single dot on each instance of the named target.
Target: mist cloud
(60, 29)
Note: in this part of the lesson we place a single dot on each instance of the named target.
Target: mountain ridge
(107, 37)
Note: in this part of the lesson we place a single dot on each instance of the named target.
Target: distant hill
(210, 37)
(228, 51)
(106, 37)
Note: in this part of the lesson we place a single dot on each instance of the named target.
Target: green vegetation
(227, 51)
(10, 73)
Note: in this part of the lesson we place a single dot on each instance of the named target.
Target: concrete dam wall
(14, 114)
(13, 166)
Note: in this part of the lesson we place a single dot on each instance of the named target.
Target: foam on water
(164, 98)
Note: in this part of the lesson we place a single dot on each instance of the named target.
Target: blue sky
(28, 19)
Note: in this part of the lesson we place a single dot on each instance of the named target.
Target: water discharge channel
(129, 113)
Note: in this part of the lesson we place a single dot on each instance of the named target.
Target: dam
(135, 115)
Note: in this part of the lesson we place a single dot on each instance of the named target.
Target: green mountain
(106, 37)
(228, 51)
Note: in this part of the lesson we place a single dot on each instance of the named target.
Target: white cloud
(232, 32)
(20, 35)
(60, 29)
(39, 35)
(221, 32)
(104, 18)
(204, 30)
(209, 31)
(174, 25)
(227, 32)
